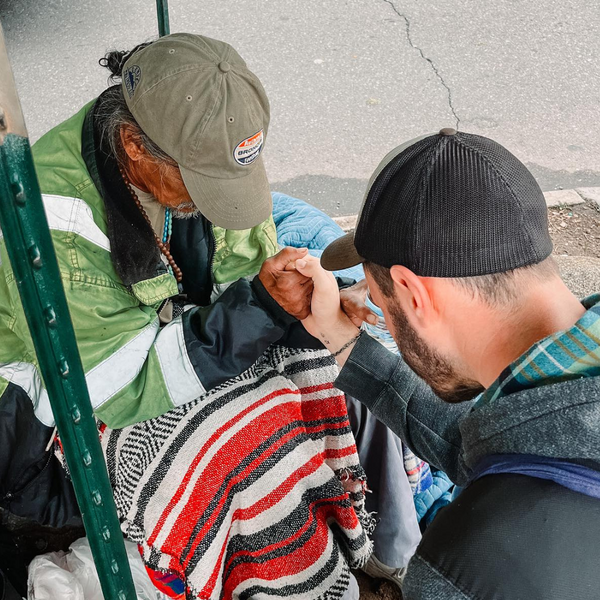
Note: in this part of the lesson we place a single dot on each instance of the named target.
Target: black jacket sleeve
(227, 337)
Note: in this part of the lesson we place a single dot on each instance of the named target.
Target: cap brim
(341, 254)
(240, 203)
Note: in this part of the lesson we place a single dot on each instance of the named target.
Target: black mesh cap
(448, 205)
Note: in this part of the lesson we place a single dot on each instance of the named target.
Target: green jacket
(115, 284)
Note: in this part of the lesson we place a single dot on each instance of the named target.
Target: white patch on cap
(248, 151)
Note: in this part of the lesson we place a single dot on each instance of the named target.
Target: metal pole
(162, 8)
(31, 253)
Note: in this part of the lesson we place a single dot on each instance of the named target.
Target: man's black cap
(448, 205)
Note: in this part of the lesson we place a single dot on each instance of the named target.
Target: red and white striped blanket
(252, 491)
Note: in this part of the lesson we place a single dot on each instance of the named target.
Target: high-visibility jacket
(116, 283)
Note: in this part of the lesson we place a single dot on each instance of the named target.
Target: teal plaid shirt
(561, 356)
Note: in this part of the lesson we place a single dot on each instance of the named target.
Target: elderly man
(234, 466)
(453, 235)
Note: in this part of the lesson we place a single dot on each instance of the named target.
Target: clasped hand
(305, 290)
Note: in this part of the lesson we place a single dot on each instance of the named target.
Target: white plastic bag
(72, 575)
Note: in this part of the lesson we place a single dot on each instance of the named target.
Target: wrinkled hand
(289, 288)
(353, 304)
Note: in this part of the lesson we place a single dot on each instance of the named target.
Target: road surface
(350, 79)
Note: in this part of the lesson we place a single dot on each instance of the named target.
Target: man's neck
(510, 333)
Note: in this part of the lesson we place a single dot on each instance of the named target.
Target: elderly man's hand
(353, 304)
(289, 288)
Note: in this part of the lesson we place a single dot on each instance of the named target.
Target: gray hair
(113, 113)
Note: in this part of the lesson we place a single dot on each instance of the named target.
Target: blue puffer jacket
(303, 226)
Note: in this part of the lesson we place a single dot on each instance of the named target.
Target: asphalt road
(350, 79)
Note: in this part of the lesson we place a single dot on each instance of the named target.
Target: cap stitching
(208, 47)
(501, 176)
(384, 170)
(209, 114)
(249, 102)
(250, 107)
(241, 219)
(231, 218)
(382, 166)
(227, 55)
(177, 72)
(250, 171)
(424, 180)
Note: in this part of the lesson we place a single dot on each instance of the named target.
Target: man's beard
(185, 210)
(436, 370)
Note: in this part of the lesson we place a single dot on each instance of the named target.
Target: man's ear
(131, 143)
(414, 293)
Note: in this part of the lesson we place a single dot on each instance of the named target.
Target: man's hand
(327, 321)
(353, 304)
(289, 288)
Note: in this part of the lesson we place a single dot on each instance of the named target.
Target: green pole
(31, 253)
(162, 8)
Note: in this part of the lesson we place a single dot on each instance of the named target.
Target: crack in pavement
(426, 58)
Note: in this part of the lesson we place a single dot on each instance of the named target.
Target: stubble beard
(436, 370)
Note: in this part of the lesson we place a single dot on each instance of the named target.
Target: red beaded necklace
(163, 247)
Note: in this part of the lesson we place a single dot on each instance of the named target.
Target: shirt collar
(564, 355)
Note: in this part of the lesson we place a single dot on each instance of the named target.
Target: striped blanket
(252, 491)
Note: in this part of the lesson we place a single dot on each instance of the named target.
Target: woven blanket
(252, 491)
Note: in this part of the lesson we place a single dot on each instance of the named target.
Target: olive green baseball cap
(198, 102)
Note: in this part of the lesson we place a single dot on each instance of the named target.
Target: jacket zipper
(212, 256)
(9, 496)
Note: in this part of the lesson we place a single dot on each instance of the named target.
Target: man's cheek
(384, 309)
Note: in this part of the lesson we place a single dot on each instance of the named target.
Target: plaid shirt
(561, 356)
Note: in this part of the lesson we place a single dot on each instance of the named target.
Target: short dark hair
(496, 289)
(382, 278)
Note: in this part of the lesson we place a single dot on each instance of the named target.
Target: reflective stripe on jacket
(115, 283)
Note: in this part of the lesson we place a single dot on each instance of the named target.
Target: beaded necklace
(164, 243)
